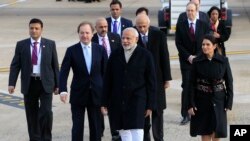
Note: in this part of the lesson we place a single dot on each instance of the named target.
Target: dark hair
(115, 2)
(141, 9)
(85, 23)
(212, 9)
(35, 20)
(211, 38)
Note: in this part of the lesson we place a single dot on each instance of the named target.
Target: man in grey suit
(36, 58)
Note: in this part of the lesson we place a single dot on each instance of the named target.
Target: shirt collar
(100, 37)
(83, 45)
(32, 40)
(146, 34)
(118, 19)
(198, 15)
(194, 22)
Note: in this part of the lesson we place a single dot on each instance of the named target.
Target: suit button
(214, 104)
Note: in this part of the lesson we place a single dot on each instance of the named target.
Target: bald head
(191, 11)
(197, 2)
(142, 23)
(101, 26)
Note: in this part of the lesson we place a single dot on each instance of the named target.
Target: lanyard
(33, 46)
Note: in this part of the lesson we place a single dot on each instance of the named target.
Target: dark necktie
(191, 30)
(34, 57)
(104, 44)
(145, 40)
(115, 27)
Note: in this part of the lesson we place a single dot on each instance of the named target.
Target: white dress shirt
(118, 25)
(106, 41)
(36, 68)
(87, 52)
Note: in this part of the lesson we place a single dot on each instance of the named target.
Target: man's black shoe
(185, 120)
(116, 138)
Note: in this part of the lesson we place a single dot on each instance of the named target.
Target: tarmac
(60, 22)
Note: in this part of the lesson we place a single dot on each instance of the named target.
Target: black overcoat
(129, 88)
(157, 45)
(211, 115)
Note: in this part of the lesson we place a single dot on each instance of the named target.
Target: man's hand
(63, 97)
(190, 59)
(104, 110)
(216, 35)
(166, 84)
(191, 111)
(148, 112)
(56, 91)
(11, 89)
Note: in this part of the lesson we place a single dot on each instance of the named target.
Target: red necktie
(191, 30)
(34, 57)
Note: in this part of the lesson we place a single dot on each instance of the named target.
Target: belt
(35, 76)
(210, 89)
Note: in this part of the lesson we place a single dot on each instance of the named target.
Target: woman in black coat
(211, 93)
(219, 29)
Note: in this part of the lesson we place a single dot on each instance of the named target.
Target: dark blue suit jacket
(184, 42)
(114, 40)
(124, 23)
(82, 81)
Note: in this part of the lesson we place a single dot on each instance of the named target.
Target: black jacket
(157, 45)
(210, 114)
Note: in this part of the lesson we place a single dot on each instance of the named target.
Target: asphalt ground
(60, 22)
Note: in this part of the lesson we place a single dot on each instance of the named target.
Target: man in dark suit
(155, 41)
(36, 58)
(87, 61)
(200, 15)
(116, 23)
(110, 42)
(188, 40)
(129, 87)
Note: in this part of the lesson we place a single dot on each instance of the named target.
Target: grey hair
(133, 30)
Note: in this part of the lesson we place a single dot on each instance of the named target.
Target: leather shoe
(116, 138)
(185, 120)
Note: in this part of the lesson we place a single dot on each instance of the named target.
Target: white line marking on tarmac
(11, 3)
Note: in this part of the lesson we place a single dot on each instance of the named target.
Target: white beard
(129, 47)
